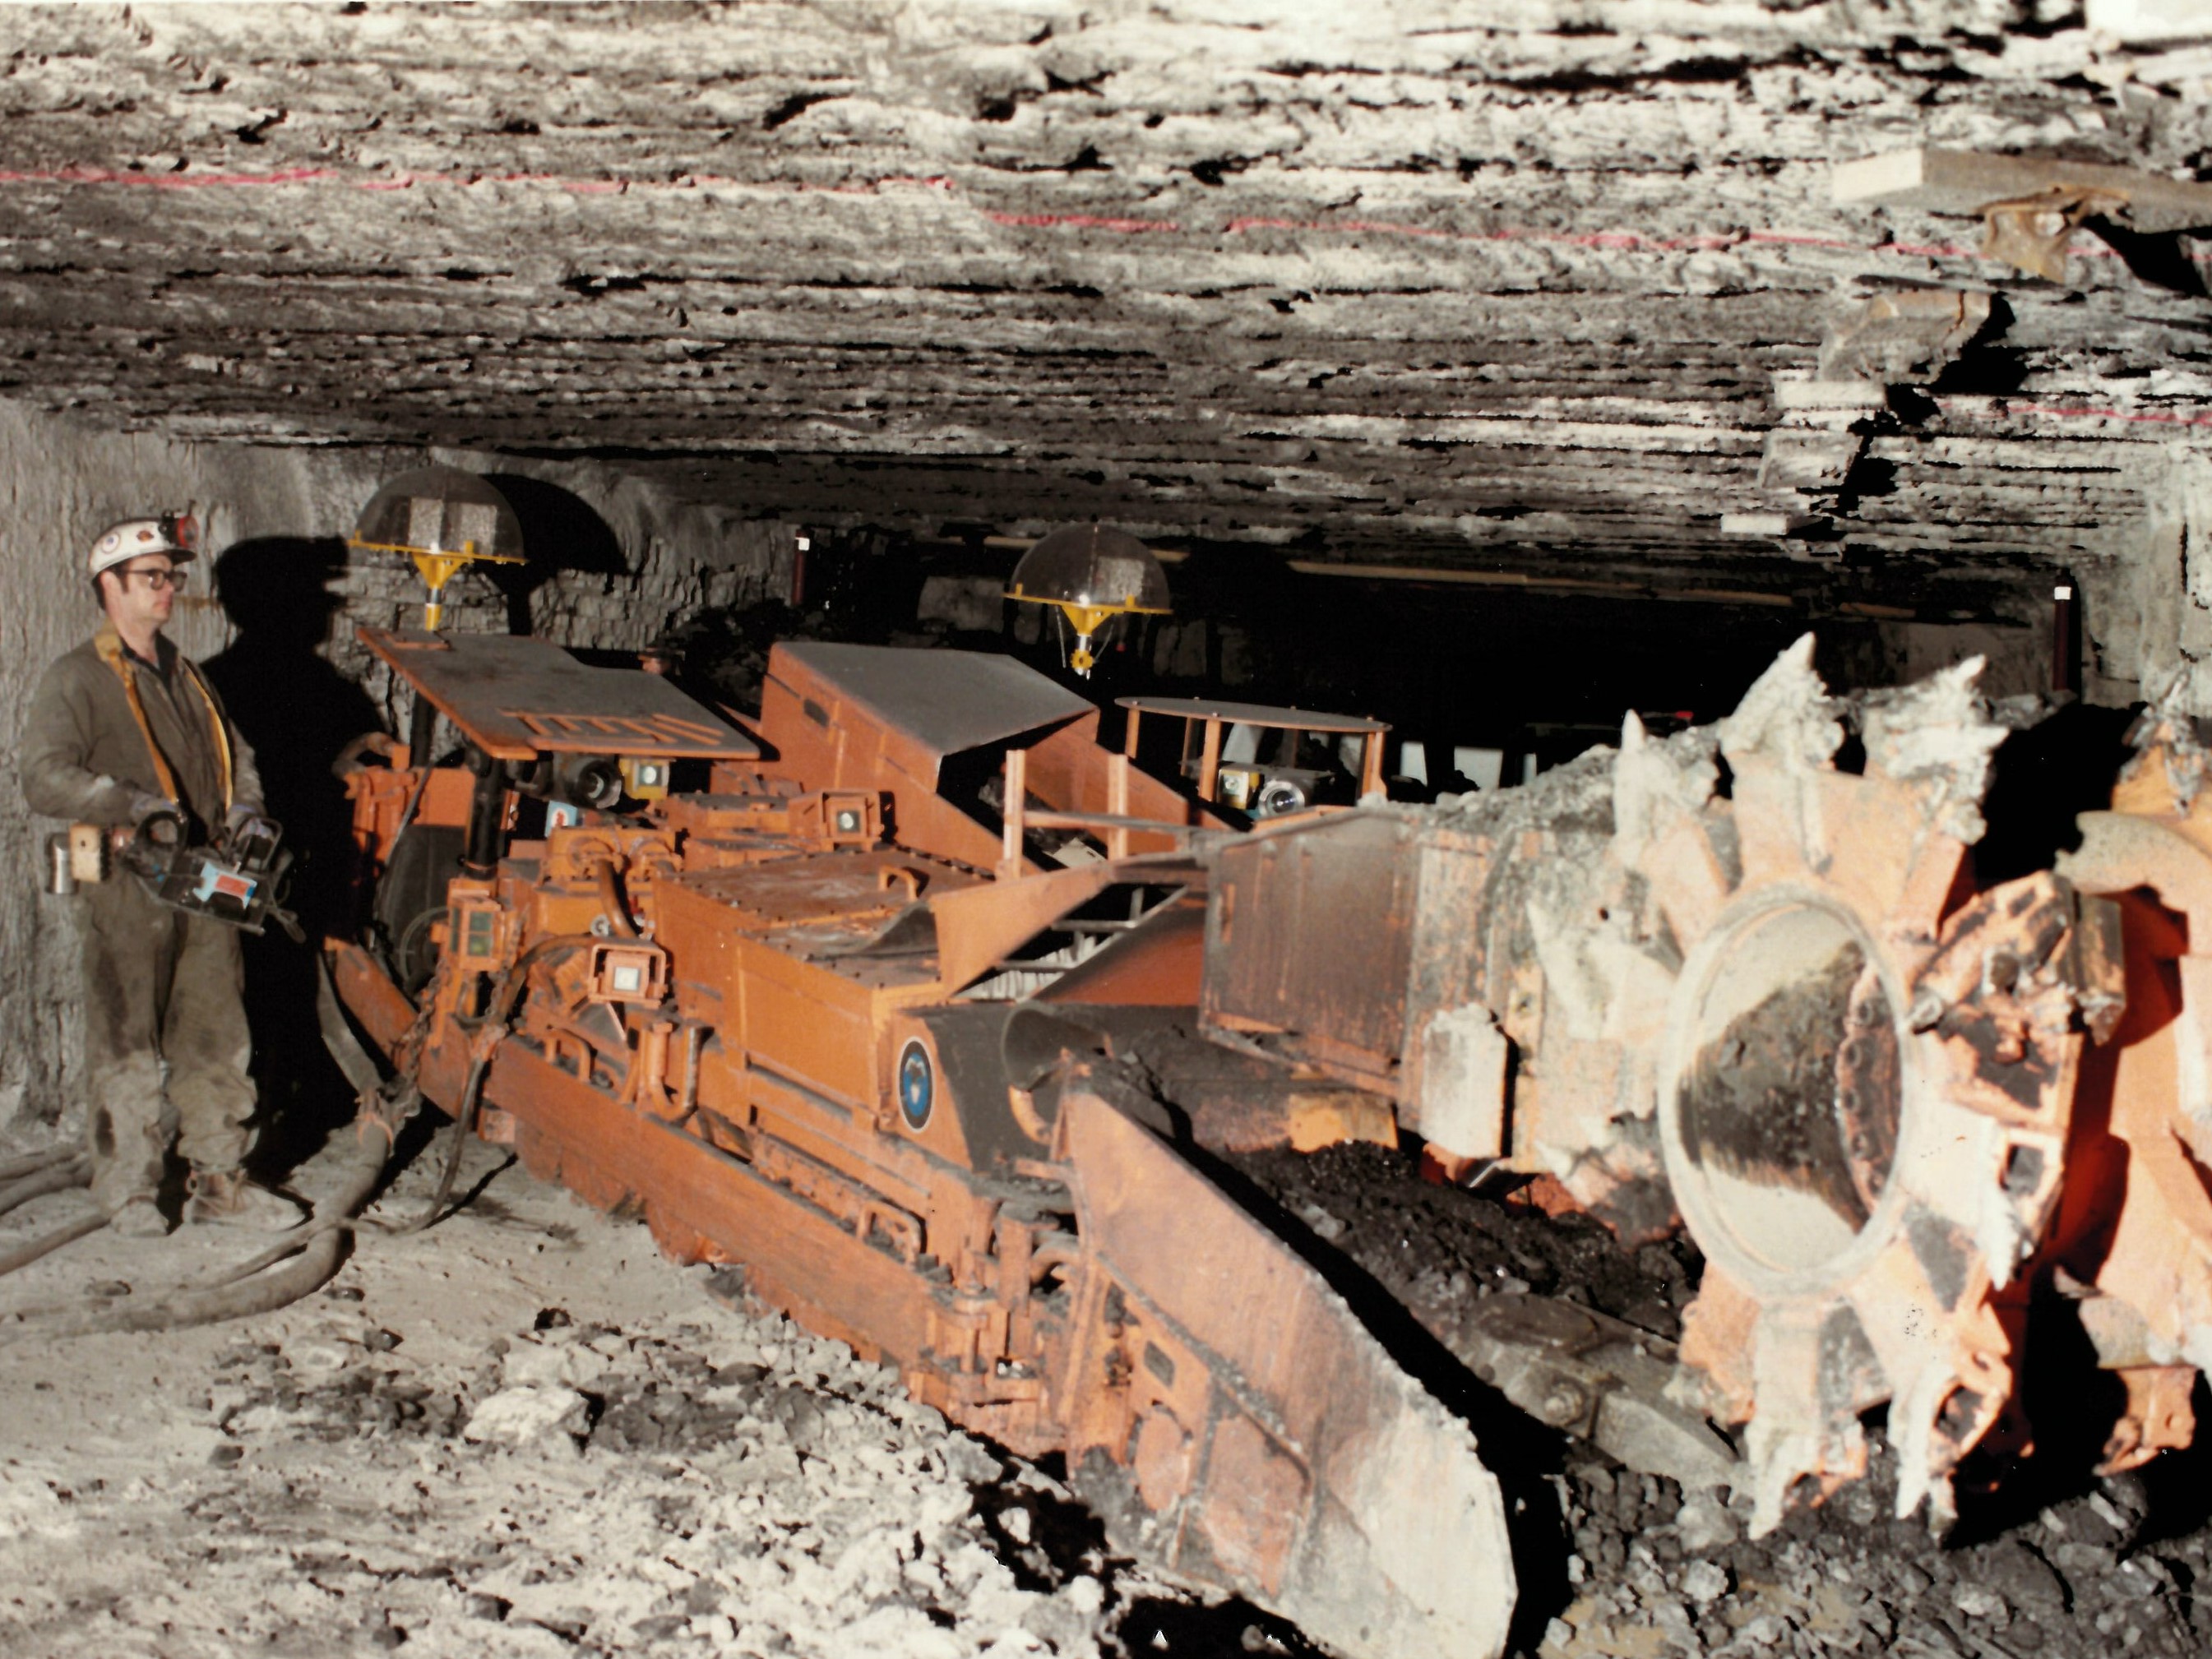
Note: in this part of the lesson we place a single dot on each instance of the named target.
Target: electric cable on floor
(259, 1284)
(59, 1173)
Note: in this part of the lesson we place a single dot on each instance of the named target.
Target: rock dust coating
(520, 1433)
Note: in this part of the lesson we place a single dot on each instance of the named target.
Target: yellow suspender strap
(222, 731)
(109, 645)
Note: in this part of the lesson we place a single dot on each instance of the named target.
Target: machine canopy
(946, 701)
(517, 698)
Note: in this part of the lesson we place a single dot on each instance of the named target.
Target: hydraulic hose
(611, 900)
(414, 803)
(490, 1034)
(321, 1244)
(56, 1177)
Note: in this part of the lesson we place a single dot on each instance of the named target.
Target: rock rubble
(496, 1441)
(1620, 1565)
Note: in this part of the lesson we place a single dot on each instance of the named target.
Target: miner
(124, 733)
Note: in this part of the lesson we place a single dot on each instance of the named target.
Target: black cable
(496, 1015)
(24, 1254)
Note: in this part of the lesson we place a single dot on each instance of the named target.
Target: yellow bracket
(1086, 619)
(437, 568)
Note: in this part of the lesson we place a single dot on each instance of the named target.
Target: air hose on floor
(316, 1248)
(257, 1286)
(55, 1170)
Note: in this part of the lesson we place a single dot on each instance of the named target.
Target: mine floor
(521, 1432)
(524, 1432)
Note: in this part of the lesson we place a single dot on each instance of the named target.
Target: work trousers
(162, 990)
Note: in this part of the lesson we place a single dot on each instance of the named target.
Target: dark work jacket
(84, 757)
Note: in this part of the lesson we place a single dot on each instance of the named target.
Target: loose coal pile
(2096, 1571)
(1434, 1243)
(2050, 1561)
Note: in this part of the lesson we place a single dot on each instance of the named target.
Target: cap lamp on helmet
(177, 534)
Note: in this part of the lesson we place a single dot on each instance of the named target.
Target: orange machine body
(767, 991)
(772, 1013)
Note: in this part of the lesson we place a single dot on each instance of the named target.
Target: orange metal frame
(753, 1011)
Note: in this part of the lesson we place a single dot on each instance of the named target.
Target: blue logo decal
(917, 1086)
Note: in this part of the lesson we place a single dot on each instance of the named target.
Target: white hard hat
(177, 534)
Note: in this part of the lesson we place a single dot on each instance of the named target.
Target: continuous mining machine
(849, 995)
(779, 1011)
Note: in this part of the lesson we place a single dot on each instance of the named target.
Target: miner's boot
(228, 1199)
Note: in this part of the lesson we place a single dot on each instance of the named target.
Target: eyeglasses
(158, 579)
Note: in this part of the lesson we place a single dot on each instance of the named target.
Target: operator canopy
(1092, 574)
(442, 518)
